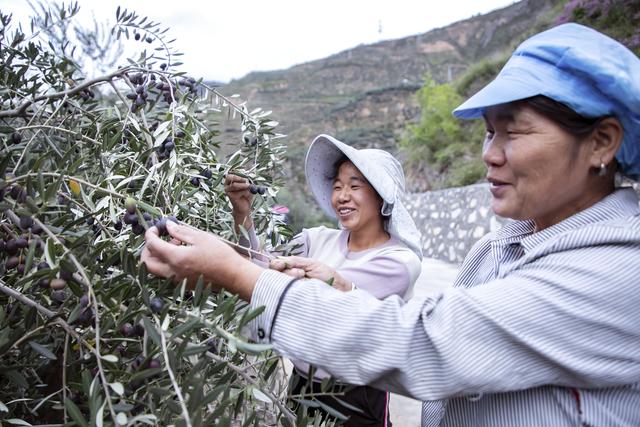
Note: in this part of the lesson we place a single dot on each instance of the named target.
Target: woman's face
(354, 200)
(536, 169)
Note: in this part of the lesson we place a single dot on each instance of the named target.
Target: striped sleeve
(556, 321)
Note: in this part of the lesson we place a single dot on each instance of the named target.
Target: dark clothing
(373, 403)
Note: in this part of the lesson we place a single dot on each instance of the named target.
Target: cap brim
(502, 90)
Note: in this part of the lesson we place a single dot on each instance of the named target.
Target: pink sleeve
(382, 276)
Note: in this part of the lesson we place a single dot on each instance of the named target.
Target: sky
(226, 39)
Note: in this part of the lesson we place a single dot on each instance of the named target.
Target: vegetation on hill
(446, 150)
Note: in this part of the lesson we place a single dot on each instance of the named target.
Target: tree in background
(87, 165)
(445, 150)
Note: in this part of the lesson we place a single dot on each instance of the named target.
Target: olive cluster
(139, 37)
(189, 83)
(14, 248)
(204, 174)
(257, 189)
(131, 218)
(250, 140)
(140, 95)
(168, 145)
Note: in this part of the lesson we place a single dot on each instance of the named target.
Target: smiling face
(355, 201)
(536, 169)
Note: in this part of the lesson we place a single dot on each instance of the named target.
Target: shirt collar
(621, 203)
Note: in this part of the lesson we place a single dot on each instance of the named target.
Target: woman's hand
(309, 268)
(237, 189)
(192, 253)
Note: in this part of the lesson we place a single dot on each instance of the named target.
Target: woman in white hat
(542, 325)
(376, 249)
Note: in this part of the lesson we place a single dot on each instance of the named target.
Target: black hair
(570, 121)
(333, 173)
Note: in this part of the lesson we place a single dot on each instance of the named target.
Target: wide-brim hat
(577, 66)
(382, 171)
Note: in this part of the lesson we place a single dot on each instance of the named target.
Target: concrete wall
(452, 220)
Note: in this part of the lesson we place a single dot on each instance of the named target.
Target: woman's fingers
(183, 233)
(295, 261)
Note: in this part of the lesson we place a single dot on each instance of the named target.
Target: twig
(72, 91)
(165, 354)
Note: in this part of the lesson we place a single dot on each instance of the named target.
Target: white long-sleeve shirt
(542, 328)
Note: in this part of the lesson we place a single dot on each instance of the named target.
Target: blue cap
(579, 67)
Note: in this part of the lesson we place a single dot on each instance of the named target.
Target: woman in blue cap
(542, 326)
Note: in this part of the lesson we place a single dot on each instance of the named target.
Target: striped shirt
(542, 328)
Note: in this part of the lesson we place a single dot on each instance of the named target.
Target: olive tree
(88, 163)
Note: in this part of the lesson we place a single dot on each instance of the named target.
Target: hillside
(364, 95)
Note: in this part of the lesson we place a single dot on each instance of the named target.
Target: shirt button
(261, 333)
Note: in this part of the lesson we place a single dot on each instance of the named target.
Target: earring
(603, 169)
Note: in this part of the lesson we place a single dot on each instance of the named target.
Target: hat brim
(320, 161)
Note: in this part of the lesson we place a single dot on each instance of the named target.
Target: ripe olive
(253, 189)
(16, 138)
(12, 262)
(156, 304)
(127, 330)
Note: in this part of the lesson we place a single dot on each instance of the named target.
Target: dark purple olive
(136, 36)
(195, 181)
(132, 96)
(90, 221)
(36, 229)
(11, 247)
(16, 138)
(139, 89)
(20, 269)
(156, 304)
(207, 173)
(131, 218)
(137, 229)
(44, 283)
(138, 362)
(42, 266)
(162, 227)
(262, 190)
(253, 141)
(169, 146)
(127, 330)
(163, 66)
(87, 317)
(147, 217)
(66, 274)
(12, 262)
(15, 191)
(154, 364)
(22, 242)
(253, 189)
(58, 296)
(138, 330)
(246, 139)
(180, 134)
(26, 222)
(84, 300)
(149, 40)
(117, 225)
